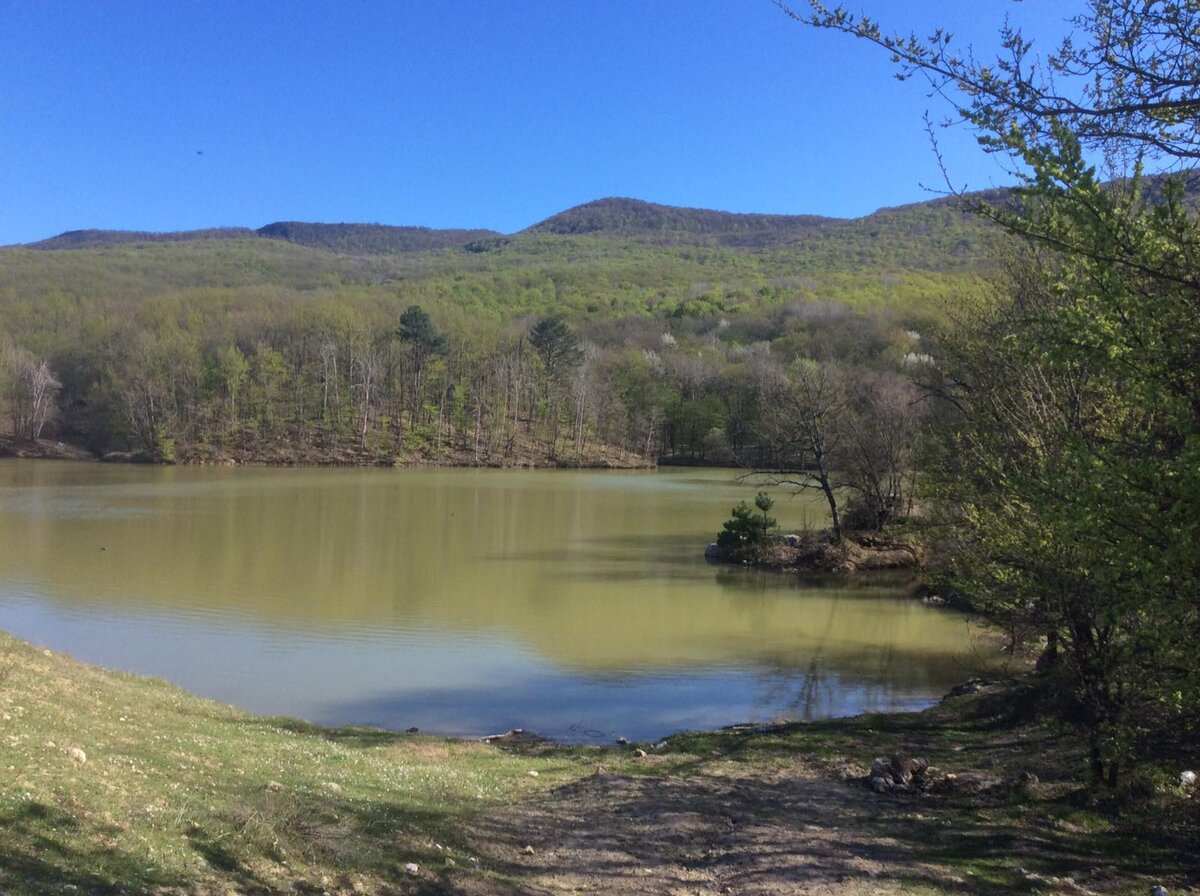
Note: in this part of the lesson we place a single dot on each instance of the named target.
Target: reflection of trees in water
(810, 690)
(807, 689)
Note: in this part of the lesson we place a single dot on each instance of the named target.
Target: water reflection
(459, 601)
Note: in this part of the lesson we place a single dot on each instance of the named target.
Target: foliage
(227, 342)
(557, 346)
(1069, 470)
(748, 535)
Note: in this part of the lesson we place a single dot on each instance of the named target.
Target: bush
(747, 535)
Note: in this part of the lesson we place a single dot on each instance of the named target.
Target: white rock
(412, 868)
(532, 773)
(77, 755)
(1188, 779)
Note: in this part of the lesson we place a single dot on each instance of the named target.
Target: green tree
(1069, 471)
(748, 535)
(557, 345)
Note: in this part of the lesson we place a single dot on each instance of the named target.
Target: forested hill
(298, 342)
(635, 217)
(353, 239)
(367, 239)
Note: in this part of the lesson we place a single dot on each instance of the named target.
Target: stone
(274, 786)
(880, 785)
(713, 552)
(1187, 779)
(974, 686)
(1159, 890)
(601, 770)
(881, 767)
(412, 868)
(791, 540)
(622, 741)
(533, 773)
(412, 730)
(1023, 784)
(639, 753)
(528, 850)
(77, 755)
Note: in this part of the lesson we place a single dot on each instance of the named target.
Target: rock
(450, 863)
(639, 753)
(49, 745)
(974, 686)
(77, 755)
(412, 730)
(274, 786)
(1159, 890)
(412, 868)
(791, 540)
(1023, 784)
(533, 773)
(1187, 779)
(601, 770)
(714, 552)
(881, 767)
(333, 787)
(897, 774)
(622, 741)
(515, 736)
(905, 768)
(528, 850)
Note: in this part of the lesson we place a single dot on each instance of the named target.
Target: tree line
(337, 381)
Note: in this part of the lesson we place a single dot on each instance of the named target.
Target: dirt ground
(810, 825)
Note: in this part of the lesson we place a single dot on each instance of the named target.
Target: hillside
(636, 218)
(284, 344)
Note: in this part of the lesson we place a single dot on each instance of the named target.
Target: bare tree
(805, 429)
(32, 389)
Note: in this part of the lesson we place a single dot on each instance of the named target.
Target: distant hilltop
(612, 217)
(615, 217)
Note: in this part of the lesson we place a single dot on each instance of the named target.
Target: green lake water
(576, 604)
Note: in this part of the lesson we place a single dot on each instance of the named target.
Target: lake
(575, 604)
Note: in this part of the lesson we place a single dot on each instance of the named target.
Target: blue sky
(460, 114)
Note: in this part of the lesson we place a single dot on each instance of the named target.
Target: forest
(1025, 364)
(616, 333)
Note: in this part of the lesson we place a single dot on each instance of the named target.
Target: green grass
(183, 795)
(179, 791)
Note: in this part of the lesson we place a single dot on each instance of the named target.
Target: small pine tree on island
(747, 535)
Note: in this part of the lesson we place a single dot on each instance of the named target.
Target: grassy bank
(177, 794)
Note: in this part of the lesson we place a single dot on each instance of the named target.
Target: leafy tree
(1070, 470)
(557, 345)
(417, 330)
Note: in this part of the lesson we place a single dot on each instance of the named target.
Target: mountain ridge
(614, 216)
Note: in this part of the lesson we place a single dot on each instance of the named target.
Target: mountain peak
(621, 216)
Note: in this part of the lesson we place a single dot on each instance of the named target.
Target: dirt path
(711, 834)
(808, 827)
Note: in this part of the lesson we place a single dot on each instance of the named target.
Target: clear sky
(177, 114)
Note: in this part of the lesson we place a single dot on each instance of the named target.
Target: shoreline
(48, 449)
(121, 783)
